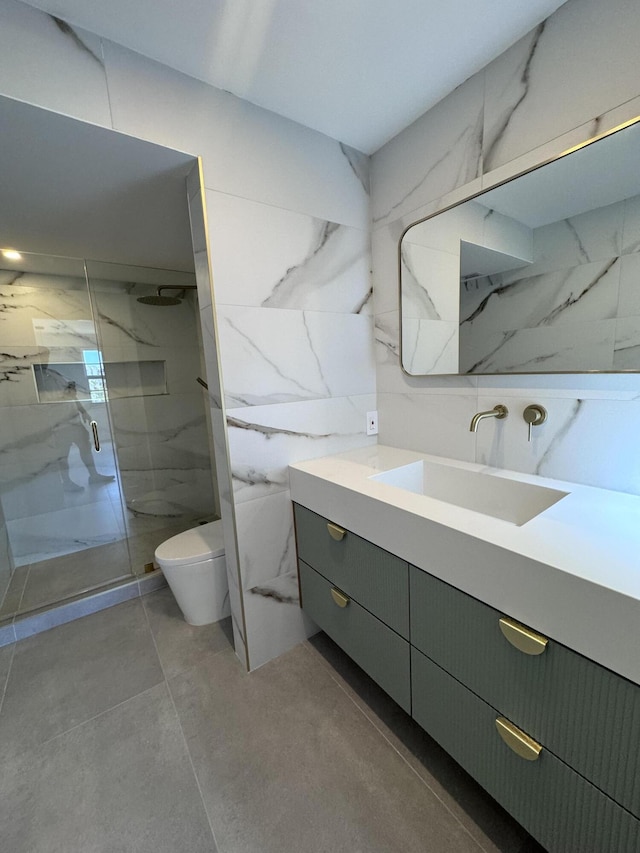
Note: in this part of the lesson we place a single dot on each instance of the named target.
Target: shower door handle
(96, 437)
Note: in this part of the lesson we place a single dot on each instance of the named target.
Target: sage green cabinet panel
(378, 580)
(377, 649)
(563, 811)
(585, 714)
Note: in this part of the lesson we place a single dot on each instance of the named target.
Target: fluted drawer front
(378, 580)
(377, 649)
(585, 714)
(557, 806)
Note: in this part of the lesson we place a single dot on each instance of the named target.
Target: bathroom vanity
(513, 643)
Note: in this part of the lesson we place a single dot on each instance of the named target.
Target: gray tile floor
(129, 730)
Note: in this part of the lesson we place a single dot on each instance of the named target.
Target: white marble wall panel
(54, 317)
(384, 258)
(549, 81)
(561, 348)
(123, 321)
(498, 309)
(430, 346)
(17, 382)
(42, 60)
(429, 423)
(429, 283)
(583, 239)
(247, 151)
(630, 286)
(265, 440)
(268, 556)
(631, 236)
(439, 152)
(302, 263)
(558, 446)
(209, 336)
(391, 378)
(503, 234)
(583, 293)
(230, 533)
(558, 145)
(279, 356)
(626, 353)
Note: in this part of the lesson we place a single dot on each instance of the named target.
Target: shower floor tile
(53, 580)
(62, 532)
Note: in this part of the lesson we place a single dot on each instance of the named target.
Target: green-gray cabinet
(378, 580)
(382, 653)
(585, 714)
(553, 736)
(556, 805)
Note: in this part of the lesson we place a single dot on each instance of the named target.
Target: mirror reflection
(535, 276)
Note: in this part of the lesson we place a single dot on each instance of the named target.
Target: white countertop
(572, 572)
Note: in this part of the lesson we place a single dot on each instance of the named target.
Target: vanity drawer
(374, 577)
(585, 714)
(557, 806)
(380, 652)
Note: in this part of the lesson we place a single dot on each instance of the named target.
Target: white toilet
(194, 565)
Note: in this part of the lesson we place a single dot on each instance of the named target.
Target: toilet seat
(192, 546)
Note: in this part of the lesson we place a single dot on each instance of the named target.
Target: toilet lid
(192, 546)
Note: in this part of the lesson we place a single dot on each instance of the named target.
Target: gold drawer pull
(335, 532)
(524, 639)
(339, 597)
(518, 741)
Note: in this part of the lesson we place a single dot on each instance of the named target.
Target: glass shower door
(59, 479)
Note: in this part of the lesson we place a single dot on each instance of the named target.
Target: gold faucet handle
(534, 415)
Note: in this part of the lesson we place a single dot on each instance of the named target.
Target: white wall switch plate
(372, 423)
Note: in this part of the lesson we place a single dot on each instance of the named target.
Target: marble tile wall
(570, 78)
(585, 312)
(295, 331)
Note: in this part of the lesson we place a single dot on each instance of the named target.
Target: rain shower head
(159, 299)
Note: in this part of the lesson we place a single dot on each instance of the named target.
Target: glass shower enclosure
(104, 441)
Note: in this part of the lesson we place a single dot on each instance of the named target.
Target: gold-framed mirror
(537, 275)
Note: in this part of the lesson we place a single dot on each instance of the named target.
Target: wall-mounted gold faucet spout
(498, 412)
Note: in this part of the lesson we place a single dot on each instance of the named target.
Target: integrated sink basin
(509, 500)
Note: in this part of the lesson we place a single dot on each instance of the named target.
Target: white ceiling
(357, 70)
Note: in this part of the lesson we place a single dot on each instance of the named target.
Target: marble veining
(359, 164)
(332, 253)
(496, 316)
(261, 447)
(471, 140)
(69, 31)
(129, 332)
(274, 356)
(524, 82)
(557, 439)
(284, 588)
